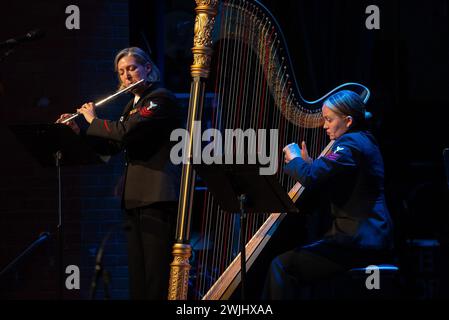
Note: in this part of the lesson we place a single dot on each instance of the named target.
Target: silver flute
(99, 103)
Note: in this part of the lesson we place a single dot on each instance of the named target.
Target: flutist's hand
(72, 124)
(88, 111)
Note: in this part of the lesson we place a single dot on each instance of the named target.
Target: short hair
(349, 103)
(142, 58)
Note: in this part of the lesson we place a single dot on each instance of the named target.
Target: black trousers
(150, 233)
(294, 269)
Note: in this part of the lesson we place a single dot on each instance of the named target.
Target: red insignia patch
(148, 109)
(146, 112)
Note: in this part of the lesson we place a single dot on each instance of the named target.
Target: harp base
(179, 272)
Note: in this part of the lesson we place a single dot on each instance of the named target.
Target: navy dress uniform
(352, 176)
(151, 184)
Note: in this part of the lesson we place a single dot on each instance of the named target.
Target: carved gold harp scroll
(238, 45)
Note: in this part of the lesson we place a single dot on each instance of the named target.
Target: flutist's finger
(72, 124)
(88, 111)
(88, 106)
(62, 117)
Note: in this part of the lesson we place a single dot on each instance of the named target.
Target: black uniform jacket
(143, 132)
(352, 175)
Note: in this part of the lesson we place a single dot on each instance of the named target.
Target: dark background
(405, 64)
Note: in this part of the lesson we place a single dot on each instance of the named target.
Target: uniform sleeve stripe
(333, 156)
(106, 125)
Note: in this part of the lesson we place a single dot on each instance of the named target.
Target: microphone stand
(99, 269)
(44, 236)
(10, 44)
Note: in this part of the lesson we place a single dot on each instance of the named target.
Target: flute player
(151, 184)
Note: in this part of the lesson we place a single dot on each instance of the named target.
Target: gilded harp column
(206, 11)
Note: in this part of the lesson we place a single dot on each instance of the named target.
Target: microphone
(31, 35)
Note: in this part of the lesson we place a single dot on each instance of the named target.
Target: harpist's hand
(291, 152)
(305, 153)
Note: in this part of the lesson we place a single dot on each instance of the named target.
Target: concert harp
(242, 78)
(99, 103)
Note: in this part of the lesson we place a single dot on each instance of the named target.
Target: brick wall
(100, 199)
(41, 80)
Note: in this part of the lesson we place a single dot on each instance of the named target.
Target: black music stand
(56, 145)
(241, 189)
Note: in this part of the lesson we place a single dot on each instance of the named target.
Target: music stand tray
(228, 181)
(44, 140)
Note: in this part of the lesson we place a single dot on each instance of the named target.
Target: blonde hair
(142, 58)
(349, 103)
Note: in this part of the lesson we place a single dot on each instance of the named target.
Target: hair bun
(368, 115)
